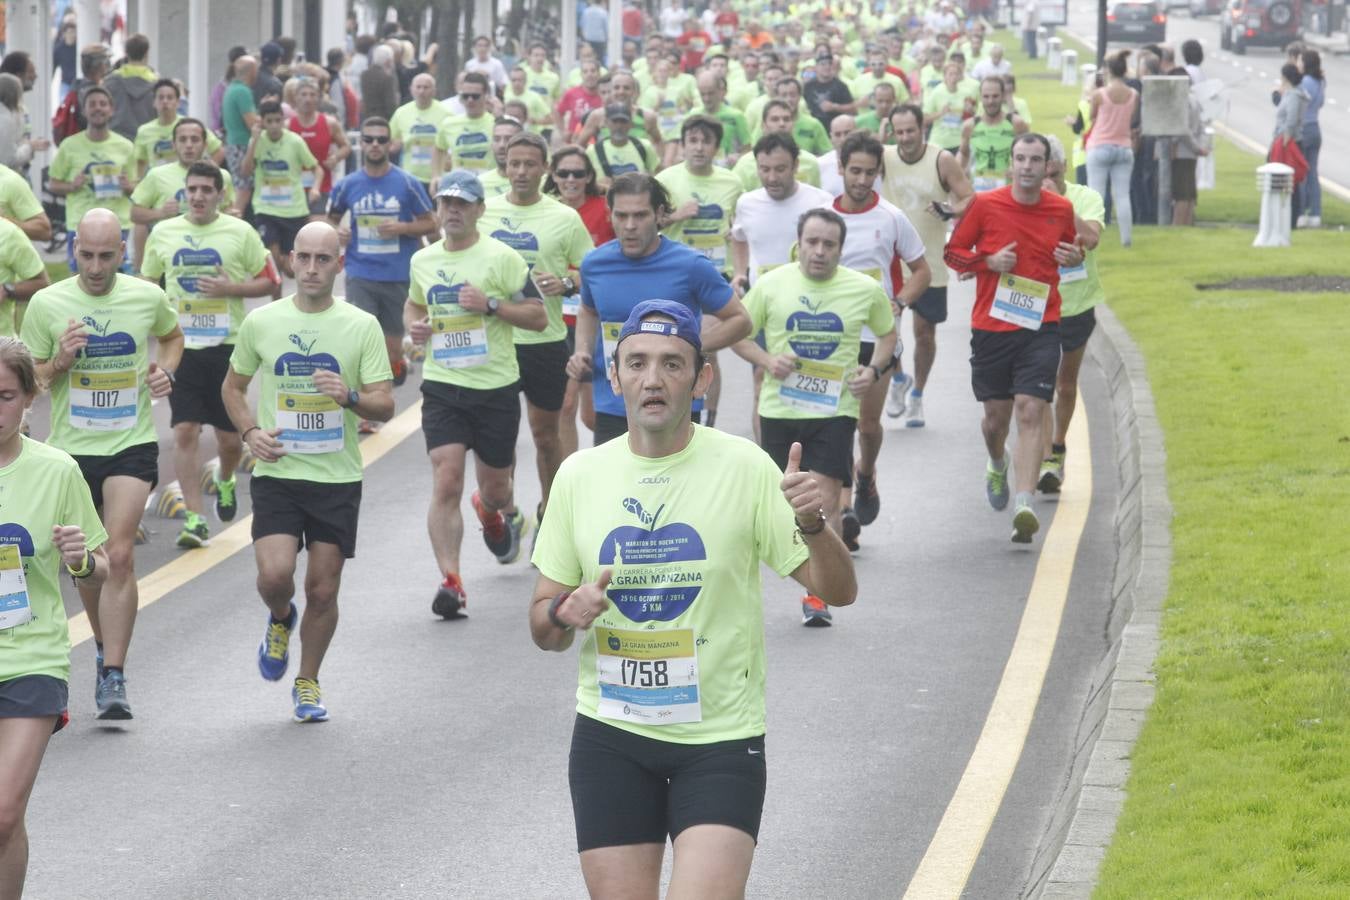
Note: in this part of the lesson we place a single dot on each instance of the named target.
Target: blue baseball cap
(461, 184)
(686, 324)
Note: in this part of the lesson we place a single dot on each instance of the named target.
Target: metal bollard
(1042, 40)
(1052, 54)
(1275, 181)
(1069, 73)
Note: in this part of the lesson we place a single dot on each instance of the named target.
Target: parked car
(1260, 23)
(1136, 21)
(1206, 7)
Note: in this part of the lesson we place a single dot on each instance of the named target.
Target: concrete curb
(1073, 847)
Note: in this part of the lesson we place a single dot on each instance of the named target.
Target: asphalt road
(1248, 82)
(443, 770)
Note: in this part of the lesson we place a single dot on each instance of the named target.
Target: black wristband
(553, 611)
(244, 436)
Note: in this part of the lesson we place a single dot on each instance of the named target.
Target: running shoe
(1052, 474)
(400, 372)
(111, 697)
(414, 352)
(195, 532)
(866, 500)
(914, 411)
(517, 524)
(996, 485)
(501, 536)
(815, 614)
(308, 701)
(274, 652)
(852, 528)
(1025, 524)
(227, 504)
(895, 397)
(450, 598)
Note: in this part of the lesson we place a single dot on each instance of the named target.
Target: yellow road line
(956, 844)
(192, 563)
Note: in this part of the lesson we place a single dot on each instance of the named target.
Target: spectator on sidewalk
(379, 85)
(1308, 197)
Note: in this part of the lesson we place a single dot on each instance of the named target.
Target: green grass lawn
(1241, 779)
(1234, 198)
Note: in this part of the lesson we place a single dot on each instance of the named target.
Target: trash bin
(1069, 73)
(1275, 181)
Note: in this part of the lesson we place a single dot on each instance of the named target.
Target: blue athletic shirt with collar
(360, 194)
(673, 272)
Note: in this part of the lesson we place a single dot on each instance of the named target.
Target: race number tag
(104, 181)
(647, 677)
(1020, 301)
(103, 400)
(1070, 274)
(205, 322)
(276, 191)
(815, 387)
(310, 422)
(712, 246)
(368, 236)
(609, 338)
(951, 120)
(421, 154)
(14, 607)
(308, 178)
(458, 339)
(571, 305)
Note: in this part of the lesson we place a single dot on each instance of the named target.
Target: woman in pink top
(1110, 153)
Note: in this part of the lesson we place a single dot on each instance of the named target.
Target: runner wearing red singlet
(1014, 241)
(322, 134)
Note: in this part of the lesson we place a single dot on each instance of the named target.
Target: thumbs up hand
(801, 489)
(584, 605)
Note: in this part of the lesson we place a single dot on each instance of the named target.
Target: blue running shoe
(996, 485)
(815, 614)
(274, 652)
(111, 697)
(308, 701)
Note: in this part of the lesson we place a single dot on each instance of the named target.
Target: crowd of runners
(789, 184)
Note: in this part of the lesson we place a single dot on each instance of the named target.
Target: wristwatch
(11, 293)
(353, 398)
(493, 305)
(569, 285)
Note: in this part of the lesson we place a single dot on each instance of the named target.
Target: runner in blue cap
(652, 551)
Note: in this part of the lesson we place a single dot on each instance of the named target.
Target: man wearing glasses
(381, 213)
(465, 142)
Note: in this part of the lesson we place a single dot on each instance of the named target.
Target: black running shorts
(35, 697)
(1006, 363)
(484, 421)
(308, 510)
(196, 388)
(543, 373)
(139, 461)
(1074, 331)
(632, 789)
(827, 444)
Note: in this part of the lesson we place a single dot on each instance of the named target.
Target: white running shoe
(895, 397)
(914, 412)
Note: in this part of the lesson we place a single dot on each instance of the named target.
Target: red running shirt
(993, 221)
(318, 138)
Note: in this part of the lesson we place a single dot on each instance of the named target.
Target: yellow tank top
(912, 187)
